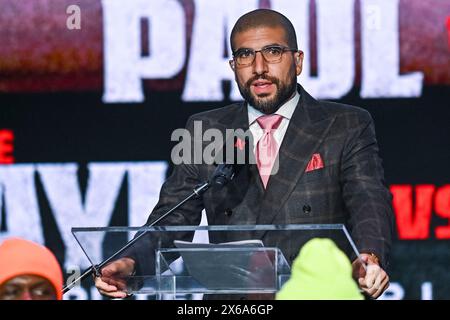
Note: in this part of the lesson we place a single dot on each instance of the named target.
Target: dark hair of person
(265, 18)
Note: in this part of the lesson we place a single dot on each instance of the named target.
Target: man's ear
(298, 62)
(232, 65)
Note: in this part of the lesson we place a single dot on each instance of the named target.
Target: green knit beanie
(320, 272)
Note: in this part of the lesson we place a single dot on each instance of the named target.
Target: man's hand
(112, 281)
(373, 280)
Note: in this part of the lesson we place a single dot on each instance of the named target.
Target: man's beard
(261, 103)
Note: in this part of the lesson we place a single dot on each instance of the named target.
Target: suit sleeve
(184, 178)
(366, 196)
(181, 183)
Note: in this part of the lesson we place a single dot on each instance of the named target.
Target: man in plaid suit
(328, 169)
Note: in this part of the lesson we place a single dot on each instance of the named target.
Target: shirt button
(307, 209)
(228, 212)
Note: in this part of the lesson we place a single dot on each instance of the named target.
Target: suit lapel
(307, 128)
(235, 120)
(247, 182)
(239, 120)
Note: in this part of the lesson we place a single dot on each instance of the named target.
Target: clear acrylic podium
(222, 259)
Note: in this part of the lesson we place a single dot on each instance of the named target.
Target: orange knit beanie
(22, 257)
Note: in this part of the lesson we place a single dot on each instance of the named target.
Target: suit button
(228, 212)
(307, 209)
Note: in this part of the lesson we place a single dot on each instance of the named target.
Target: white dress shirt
(286, 111)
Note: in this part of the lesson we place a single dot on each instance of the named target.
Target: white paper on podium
(224, 269)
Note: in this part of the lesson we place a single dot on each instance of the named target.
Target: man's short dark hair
(265, 18)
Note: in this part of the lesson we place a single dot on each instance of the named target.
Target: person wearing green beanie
(320, 272)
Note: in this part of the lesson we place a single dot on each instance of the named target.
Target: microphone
(226, 171)
(223, 174)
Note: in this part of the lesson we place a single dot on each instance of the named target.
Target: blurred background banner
(91, 91)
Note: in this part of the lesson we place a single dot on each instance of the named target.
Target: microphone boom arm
(221, 176)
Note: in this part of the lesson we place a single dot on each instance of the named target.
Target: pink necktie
(267, 148)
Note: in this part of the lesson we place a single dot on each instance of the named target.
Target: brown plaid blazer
(349, 189)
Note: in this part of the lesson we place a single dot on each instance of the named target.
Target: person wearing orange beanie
(28, 271)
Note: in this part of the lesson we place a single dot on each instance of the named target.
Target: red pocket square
(315, 163)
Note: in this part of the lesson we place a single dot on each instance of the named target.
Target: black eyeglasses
(272, 54)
